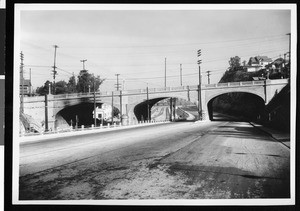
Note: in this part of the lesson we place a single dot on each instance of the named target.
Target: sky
(135, 43)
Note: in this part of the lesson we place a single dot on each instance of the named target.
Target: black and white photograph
(154, 104)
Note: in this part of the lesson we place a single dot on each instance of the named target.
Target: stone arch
(215, 93)
(209, 103)
(66, 116)
(139, 107)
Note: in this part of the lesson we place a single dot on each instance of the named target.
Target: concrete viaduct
(132, 102)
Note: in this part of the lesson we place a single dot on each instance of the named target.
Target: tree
(244, 63)
(234, 63)
(86, 80)
(61, 87)
(71, 84)
(235, 72)
(43, 90)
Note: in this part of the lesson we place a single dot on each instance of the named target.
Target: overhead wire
(178, 44)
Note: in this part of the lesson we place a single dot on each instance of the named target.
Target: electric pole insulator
(199, 52)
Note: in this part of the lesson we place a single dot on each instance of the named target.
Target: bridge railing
(246, 83)
(178, 88)
(258, 82)
(193, 87)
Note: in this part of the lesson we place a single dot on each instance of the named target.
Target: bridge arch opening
(165, 108)
(83, 114)
(236, 106)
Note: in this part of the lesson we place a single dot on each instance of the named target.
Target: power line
(37, 66)
(179, 44)
(65, 71)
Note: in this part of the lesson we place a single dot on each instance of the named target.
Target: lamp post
(199, 87)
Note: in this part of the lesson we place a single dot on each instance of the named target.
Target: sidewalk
(280, 136)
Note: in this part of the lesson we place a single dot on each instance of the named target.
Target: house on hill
(278, 64)
(257, 63)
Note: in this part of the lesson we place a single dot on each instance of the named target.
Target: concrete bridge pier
(205, 116)
(51, 113)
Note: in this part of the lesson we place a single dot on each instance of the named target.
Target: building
(278, 64)
(103, 112)
(25, 85)
(257, 63)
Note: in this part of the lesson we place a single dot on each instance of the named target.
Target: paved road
(182, 160)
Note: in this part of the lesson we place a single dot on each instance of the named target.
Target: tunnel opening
(236, 106)
(83, 114)
(164, 109)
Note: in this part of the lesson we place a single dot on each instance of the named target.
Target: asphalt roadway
(180, 160)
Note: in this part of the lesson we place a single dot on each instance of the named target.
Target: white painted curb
(28, 139)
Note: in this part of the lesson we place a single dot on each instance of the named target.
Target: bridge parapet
(161, 90)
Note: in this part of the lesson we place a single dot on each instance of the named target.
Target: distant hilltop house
(278, 64)
(257, 63)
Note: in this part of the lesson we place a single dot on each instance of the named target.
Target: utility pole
(46, 113)
(199, 88)
(74, 84)
(165, 72)
(174, 109)
(95, 122)
(22, 82)
(84, 60)
(30, 81)
(171, 109)
(121, 111)
(112, 107)
(289, 34)
(54, 68)
(118, 85)
(180, 74)
(148, 106)
(208, 74)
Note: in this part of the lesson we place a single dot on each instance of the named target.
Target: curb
(260, 127)
(30, 139)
